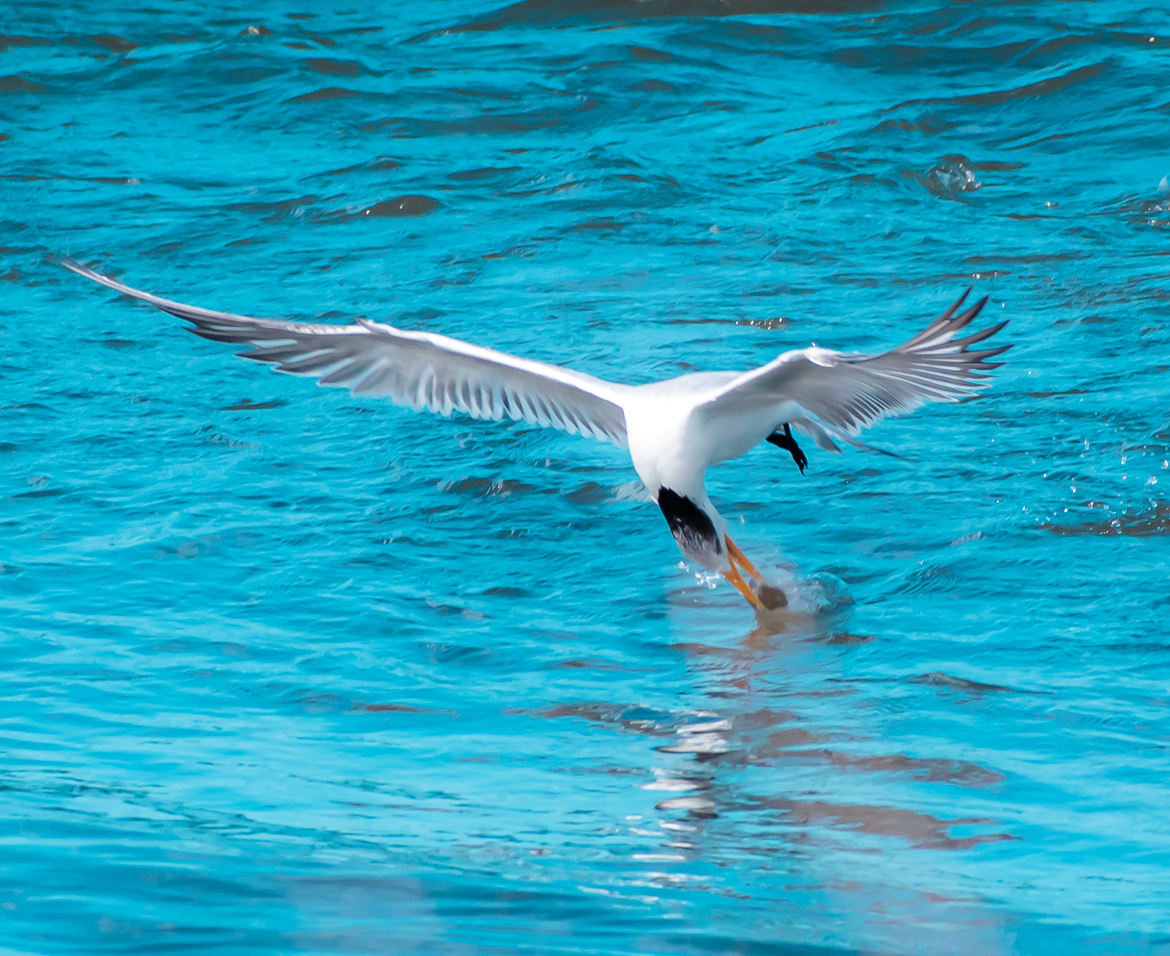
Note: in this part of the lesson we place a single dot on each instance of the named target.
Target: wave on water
(289, 670)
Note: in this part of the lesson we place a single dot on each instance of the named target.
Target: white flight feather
(416, 369)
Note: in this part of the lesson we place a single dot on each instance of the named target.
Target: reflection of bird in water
(674, 429)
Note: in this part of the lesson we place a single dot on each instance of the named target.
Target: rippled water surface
(289, 671)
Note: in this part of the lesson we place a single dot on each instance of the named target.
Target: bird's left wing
(850, 391)
(416, 369)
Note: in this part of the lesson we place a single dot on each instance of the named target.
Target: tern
(674, 430)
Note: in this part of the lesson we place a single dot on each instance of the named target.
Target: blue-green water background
(284, 671)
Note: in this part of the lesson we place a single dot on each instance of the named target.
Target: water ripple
(357, 680)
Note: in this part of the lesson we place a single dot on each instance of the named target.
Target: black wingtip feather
(988, 353)
(215, 335)
(958, 304)
(967, 317)
(976, 337)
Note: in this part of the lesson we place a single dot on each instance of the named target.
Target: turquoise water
(289, 672)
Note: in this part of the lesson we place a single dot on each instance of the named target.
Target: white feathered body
(669, 435)
(672, 445)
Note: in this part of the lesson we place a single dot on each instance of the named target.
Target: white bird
(674, 429)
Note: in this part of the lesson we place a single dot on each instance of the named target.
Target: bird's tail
(827, 438)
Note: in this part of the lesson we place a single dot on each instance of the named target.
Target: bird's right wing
(416, 369)
(839, 393)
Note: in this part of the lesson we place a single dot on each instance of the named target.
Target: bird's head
(697, 527)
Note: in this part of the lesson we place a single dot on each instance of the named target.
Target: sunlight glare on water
(290, 671)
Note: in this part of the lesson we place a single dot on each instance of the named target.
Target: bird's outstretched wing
(842, 393)
(415, 369)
